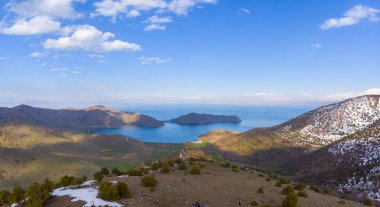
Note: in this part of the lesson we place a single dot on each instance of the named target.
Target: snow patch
(88, 195)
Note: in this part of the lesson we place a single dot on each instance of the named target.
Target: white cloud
(244, 11)
(152, 60)
(157, 23)
(316, 45)
(99, 58)
(352, 17)
(59, 69)
(37, 54)
(75, 72)
(51, 8)
(43, 64)
(151, 27)
(88, 38)
(132, 8)
(34, 26)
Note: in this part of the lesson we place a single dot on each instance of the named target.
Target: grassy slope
(31, 153)
(216, 186)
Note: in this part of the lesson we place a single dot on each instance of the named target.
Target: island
(195, 118)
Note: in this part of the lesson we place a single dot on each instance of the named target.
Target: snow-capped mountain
(331, 123)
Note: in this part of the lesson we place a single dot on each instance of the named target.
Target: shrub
(98, 176)
(195, 170)
(66, 180)
(48, 184)
(18, 194)
(182, 166)
(288, 189)
(225, 164)
(156, 165)
(37, 194)
(4, 197)
(234, 170)
(116, 171)
(134, 172)
(314, 188)
(260, 190)
(342, 202)
(261, 175)
(327, 190)
(268, 179)
(367, 202)
(302, 194)
(278, 184)
(253, 203)
(291, 200)
(105, 171)
(148, 181)
(109, 192)
(283, 181)
(123, 190)
(299, 186)
(266, 205)
(165, 168)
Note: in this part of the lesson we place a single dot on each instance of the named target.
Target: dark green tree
(98, 176)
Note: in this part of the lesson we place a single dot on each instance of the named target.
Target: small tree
(98, 176)
(18, 194)
(66, 180)
(107, 191)
(260, 190)
(48, 184)
(291, 200)
(123, 190)
(4, 197)
(105, 171)
(182, 166)
(37, 194)
(165, 168)
(148, 181)
(195, 170)
(116, 171)
(288, 189)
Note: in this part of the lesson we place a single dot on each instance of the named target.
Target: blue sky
(77, 52)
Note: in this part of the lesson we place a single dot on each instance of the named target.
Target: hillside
(178, 184)
(336, 145)
(195, 118)
(74, 119)
(31, 153)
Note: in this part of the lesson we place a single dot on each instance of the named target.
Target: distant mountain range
(336, 145)
(75, 119)
(195, 118)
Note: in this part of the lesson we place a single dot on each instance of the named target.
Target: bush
(283, 181)
(367, 202)
(327, 190)
(302, 194)
(4, 197)
(260, 190)
(225, 164)
(268, 179)
(135, 172)
(98, 176)
(253, 203)
(109, 192)
(291, 200)
(278, 184)
(148, 181)
(342, 202)
(195, 170)
(234, 170)
(165, 168)
(299, 186)
(66, 180)
(156, 165)
(288, 189)
(123, 190)
(18, 194)
(116, 171)
(37, 194)
(105, 171)
(48, 184)
(266, 205)
(314, 188)
(182, 166)
(261, 175)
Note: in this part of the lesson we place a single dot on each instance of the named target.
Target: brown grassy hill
(30, 153)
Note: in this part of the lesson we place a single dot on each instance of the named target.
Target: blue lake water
(252, 117)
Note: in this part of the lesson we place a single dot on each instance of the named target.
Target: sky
(250, 52)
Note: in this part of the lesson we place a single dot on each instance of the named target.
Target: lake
(251, 116)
